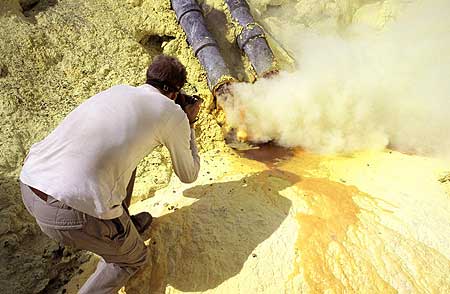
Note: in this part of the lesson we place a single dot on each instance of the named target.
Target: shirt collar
(149, 87)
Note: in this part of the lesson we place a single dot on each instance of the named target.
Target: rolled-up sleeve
(179, 138)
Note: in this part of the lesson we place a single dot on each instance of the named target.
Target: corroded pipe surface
(252, 39)
(190, 17)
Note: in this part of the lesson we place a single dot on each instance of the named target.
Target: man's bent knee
(135, 257)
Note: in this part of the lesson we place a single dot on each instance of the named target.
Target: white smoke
(359, 89)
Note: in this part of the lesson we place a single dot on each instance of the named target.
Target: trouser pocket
(53, 213)
(119, 229)
(110, 229)
(59, 218)
(122, 227)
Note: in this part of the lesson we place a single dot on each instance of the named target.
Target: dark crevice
(31, 8)
(28, 5)
(65, 263)
(154, 44)
(3, 71)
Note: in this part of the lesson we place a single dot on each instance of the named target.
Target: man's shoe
(142, 221)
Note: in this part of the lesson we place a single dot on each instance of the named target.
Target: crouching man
(77, 182)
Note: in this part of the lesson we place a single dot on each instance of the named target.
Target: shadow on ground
(198, 247)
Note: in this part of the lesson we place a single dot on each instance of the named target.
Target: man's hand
(192, 111)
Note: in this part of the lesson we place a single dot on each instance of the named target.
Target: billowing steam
(358, 89)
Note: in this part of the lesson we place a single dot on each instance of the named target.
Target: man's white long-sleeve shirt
(87, 161)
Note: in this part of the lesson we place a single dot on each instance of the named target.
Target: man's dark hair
(166, 73)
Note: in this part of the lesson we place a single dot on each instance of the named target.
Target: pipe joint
(185, 8)
(200, 44)
(250, 32)
(252, 38)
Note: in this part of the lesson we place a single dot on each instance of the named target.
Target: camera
(184, 99)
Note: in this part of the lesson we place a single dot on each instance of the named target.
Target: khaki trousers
(117, 241)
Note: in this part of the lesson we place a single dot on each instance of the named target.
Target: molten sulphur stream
(356, 232)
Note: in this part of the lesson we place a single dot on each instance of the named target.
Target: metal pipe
(190, 17)
(252, 39)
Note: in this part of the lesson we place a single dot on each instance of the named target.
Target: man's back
(88, 163)
(87, 160)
